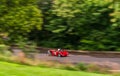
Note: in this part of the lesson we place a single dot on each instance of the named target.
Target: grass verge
(12, 69)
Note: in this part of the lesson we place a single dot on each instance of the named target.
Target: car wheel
(49, 53)
(59, 55)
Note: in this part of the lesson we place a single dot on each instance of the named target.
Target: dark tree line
(71, 24)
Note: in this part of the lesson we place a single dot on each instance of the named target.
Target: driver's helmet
(59, 49)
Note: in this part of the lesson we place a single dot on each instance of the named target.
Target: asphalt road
(113, 63)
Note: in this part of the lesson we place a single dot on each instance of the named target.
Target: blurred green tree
(19, 17)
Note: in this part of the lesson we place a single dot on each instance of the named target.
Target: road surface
(113, 63)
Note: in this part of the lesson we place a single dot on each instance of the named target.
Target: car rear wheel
(59, 55)
(49, 53)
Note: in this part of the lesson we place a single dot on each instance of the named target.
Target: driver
(59, 49)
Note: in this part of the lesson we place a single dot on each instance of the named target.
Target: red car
(59, 53)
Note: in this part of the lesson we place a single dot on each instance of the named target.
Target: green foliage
(81, 15)
(82, 66)
(5, 53)
(70, 68)
(3, 48)
(72, 24)
(27, 47)
(78, 24)
(19, 17)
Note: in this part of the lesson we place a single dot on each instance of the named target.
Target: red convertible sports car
(59, 53)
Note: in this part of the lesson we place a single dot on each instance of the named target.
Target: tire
(59, 55)
(49, 53)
